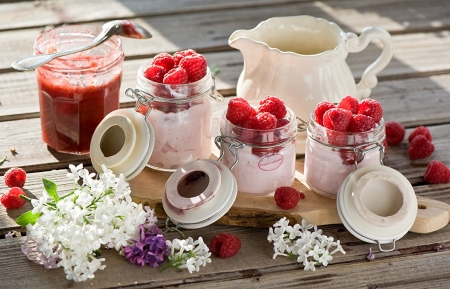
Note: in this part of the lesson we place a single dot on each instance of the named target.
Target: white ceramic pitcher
(301, 59)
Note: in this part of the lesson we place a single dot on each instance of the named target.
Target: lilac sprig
(149, 249)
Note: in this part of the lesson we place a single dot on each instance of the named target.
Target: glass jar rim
(375, 130)
(87, 30)
(199, 82)
(290, 130)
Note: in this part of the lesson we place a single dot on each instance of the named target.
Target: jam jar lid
(377, 204)
(123, 142)
(199, 193)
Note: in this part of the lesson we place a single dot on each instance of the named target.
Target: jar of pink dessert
(76, 91)
(260, 160)
(331, 156)
(181, 118)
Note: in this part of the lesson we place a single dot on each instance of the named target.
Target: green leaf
(27, 218)
(51, 187)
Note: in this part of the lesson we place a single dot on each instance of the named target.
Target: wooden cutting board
(248, 211)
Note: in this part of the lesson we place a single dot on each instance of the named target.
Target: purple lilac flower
(30, 249)
(149, 249)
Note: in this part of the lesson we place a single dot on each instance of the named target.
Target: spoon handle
(33, 62)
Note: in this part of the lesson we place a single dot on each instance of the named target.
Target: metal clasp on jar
(144, 98)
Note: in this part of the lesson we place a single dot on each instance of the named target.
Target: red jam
(77, 91)
(70, 114)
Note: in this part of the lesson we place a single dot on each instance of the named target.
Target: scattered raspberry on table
(225, 245)
(420, 130)
(395, 132)
(15, 177)
(11, 199)
(437, 173)
(287, 197)
(420, 147)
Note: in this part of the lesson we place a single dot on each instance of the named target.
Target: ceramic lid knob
(123, 142)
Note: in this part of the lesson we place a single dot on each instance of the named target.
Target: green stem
(25, 198)
(3, 160)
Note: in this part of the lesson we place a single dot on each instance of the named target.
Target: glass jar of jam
(260, 160)
(331, 156)
(181, 117)
(78, 90)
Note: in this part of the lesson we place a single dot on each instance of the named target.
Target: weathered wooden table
(414, 89)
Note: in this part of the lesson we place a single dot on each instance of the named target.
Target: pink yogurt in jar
(331, 156)
(181, 118)
(266, 158)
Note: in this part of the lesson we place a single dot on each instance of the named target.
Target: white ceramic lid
(123, 142)
(209, 200)
(377, 204)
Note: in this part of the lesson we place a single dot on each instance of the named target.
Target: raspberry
(273, 105)
(282, 122)
(264, 120)
(395, 132)
(360, 123)
(15, 177)
(320, 110)
(11, 199)
(420, 130)
(165, 60)
(287, 197)
(437, 173)
(349, 103)
(177, 56)
(265, 139)
(372, 108)
(225, 245)
(420, 148)
(195, 66)
(155, 73)
(337, 119)
(239, 110)
(176, 75)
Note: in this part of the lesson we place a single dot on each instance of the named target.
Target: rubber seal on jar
(204, 212)
(123, 142)
(193, 185)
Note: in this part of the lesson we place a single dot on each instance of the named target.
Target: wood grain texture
(414, 89)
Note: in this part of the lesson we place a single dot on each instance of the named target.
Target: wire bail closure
(233, 145)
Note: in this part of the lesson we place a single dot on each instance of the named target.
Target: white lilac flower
(69, 231)
(191, 254)
(308, 248)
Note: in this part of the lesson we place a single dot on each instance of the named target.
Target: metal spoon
(119, 27)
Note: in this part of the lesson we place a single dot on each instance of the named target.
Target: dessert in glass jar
(76, 91)
(258, 144)
(342, 138)
(178, 89)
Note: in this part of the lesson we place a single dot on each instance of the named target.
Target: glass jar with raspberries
(177, 89)
(258, 144)
(342, 138)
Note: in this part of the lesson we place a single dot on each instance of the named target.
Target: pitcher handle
(356, 44)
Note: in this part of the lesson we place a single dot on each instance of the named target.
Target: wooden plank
(34, 155)
(210, 31)
(398, 15)
(56, 12)
(19, 99)
(253, 261)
